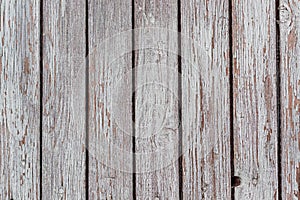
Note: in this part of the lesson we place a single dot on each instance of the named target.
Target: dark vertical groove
(278, 99)
(180, 160)
(133, 104)
(41, 99)
(231, 96)
(87, 98)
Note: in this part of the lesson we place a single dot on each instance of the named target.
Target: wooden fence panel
(155, 107)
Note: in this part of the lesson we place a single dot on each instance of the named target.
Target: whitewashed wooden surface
(63, 103)
(290, 97)
(254, 94)
(81, 118)
(19, 100)
(156, 106)
(205, 100)
(108, 69)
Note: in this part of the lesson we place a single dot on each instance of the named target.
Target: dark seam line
(133, 104)
(41, 98)
(231, 97)
(180, 159)
(278, 96)
(87, 98)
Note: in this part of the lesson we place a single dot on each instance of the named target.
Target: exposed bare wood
(255, 112)
(63, 163)
(290, 97)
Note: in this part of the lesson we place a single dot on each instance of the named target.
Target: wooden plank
(205, 99)
(254, 87)
(20, 97)
(156, 100)
(63, 161)
(290, 97)
(110, 107)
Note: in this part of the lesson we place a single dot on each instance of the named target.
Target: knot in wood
(284, 14)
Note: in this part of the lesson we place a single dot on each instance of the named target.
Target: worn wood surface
(93, 99)
(63, 158)
(289, 22)
(156, 101)
(19, 100)
(205, 100)
(254, 93)
(110, 106)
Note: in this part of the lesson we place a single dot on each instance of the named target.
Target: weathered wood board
(289, 21)
(19, 100)
(110, 106)
(205, 99)
(63, 118)
(156, 100)
(255, 103)
(111, 113)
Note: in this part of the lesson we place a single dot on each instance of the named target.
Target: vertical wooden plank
(110, 107)
(63, 99)
(255, 121)
(19, 102)
(290, 97)
(205, 99)
(156, 100)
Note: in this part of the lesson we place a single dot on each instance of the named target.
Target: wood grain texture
(290, 97)
(63, 161)
(19, 102)
(110, 107)
(156, 100)
(205, 100)
(254, 88)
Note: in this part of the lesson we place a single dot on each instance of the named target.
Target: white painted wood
(63, 139)
(255, 112)
(19, 99)
(110, 107)
(156, 101)
(205, 100)
(290, 97)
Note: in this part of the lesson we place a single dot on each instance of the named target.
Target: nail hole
(235, 181)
